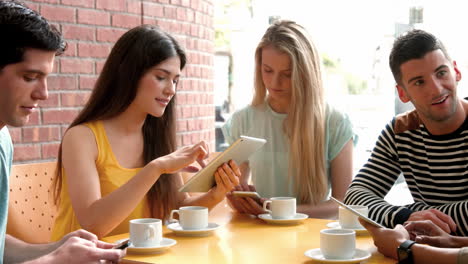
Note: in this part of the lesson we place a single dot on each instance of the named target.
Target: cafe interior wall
(91, 27)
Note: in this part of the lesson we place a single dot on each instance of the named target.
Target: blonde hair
(305, 123)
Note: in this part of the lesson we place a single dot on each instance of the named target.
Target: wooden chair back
(31, 209)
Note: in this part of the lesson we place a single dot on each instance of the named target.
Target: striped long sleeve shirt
(435, 168)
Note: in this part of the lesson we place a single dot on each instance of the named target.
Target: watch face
(402, 254)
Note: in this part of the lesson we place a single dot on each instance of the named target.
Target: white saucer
(178, 230)
(297, 219)
(316, 254)
(165, 244)
(359, 231)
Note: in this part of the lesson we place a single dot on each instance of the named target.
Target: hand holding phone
(122, 245)
(363, 217)
(253, 195)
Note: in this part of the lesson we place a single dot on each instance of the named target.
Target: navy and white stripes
(434, 167)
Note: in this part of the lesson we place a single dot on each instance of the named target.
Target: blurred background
(354, 39)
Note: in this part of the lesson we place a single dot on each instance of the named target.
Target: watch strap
(406, 248)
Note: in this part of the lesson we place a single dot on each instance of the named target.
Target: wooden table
(247, 239)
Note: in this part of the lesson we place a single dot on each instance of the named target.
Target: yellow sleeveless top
(111, 177)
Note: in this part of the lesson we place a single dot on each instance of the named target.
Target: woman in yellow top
(118, 159)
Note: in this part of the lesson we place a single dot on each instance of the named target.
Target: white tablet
(239, 151)
(363, 217)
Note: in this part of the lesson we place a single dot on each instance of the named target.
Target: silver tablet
(239, 151)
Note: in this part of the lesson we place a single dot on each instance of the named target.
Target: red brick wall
(91, 27)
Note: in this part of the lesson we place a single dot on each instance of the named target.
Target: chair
(31, 209)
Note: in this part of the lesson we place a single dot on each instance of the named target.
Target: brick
(125, 21)
(15, 133)
(181, 14)
(195, 4)
(70, 51)
(45, 1)
(59, 13)
(60, 82)
(50, 150)
(27, 152)
(151, 21)
(52, 101)
(175, 2)
(186, 139)
(190, 16)
(195, 137)
(63, 129)
(181, 125)
(59, 116)
(82, 3)
(78, 32)
(179, 140)
(170, 12)
(185, 3)
(109, 34)
(87, 82)
(74, 99)
(99, 66)
(134, 7)
(34, 118)
(150, 9)
(112, 5)
(93, 50)
(163, 1)
(38, 134)
(198, 18)
(73, 65)
(93, 17)
(175, 27)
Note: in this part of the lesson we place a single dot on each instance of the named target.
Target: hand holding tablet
(239, 151)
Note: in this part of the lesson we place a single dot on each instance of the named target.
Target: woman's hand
(245, 205)
(181, 159)
(226, 177)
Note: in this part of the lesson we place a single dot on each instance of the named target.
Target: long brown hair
(305, 122)
(138, 50)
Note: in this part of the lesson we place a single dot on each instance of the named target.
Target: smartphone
(363, 217)
(123, 245)
(253, 195)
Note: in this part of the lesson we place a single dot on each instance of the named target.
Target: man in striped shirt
(428, 145)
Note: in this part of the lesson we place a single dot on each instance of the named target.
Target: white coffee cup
(338, 244)
(191, 217)
(281, 207)
(145, 232)
(348, 220)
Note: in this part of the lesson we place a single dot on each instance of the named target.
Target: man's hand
(426, 232)
(387, 240)
(445, 222)
(78, 250)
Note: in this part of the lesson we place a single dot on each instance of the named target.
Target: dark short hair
(415, 44)
(22, 28)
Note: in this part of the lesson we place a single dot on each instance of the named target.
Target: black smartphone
(123, 245)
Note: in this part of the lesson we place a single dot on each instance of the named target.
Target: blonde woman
(309, 144)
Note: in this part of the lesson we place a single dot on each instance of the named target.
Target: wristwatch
(405, 255)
